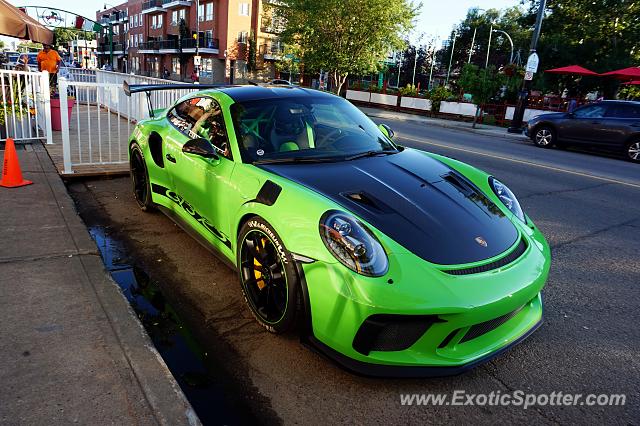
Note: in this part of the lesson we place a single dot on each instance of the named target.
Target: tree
(482, 84)
(1, 44)
(345, 37)
(63, 36)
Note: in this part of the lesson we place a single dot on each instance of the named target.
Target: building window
(160, 21)
(209, 12)
(177, 15)
(201, 12)
(175, 65)
(206, 68)
(242, 37)
(135, 20)
(140, 19)
(244, 9)
(208, 38)
(136, 40)
(154, 22)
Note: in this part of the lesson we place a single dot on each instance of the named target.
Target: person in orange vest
(49, 60)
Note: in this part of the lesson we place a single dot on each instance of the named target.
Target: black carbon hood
(421, 203)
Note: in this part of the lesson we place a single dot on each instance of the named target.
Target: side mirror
(386, 130)
(200, 147)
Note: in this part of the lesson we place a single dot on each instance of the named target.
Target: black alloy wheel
(267, 276)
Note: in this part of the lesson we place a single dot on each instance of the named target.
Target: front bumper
(470, 318)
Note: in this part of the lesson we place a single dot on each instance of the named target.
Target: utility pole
(518, 114)
(415, 63)
(433, 58)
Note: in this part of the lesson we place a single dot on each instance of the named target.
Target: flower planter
(56, 119)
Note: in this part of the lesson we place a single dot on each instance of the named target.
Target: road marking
(530, 163)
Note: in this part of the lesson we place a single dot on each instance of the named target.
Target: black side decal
(166, 192)
(269, 193)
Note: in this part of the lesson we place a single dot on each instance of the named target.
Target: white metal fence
(25, 113)
(98, 130)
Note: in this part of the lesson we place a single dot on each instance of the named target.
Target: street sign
(528, 75)
(532, 63)
(197, 60)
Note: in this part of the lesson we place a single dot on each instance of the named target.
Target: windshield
(306, 128)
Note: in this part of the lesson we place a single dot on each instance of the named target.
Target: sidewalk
(71, 349)
(481, 129)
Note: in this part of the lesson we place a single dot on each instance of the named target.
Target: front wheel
(544, 137)
(267, 276)
(633, 151)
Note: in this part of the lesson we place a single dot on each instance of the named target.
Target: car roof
(253, 93)
(617, 101)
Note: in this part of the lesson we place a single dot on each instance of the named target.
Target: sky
(437, 17)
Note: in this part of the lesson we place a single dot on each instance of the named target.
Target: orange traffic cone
(11, 174)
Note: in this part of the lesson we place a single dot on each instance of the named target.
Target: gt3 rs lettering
(176, 198)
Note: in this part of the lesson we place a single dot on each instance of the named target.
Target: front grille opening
(487, 326)
(515, 254)
(387, 332)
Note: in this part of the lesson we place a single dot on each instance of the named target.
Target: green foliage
(438, 95)
(409, 90)
(345, 36)
(28, 46)
(482, 84)
(251, 60)
(1, 44)
(629, 93)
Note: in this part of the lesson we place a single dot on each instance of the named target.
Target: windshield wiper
(296, 160)
(372, 154)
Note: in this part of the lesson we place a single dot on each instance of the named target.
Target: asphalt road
(587, 206)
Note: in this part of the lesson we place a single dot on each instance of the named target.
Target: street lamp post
(473, 39)
(415, 64)
(453, 46)
(518, 114)
(433, 57)
(510, 41)
(486, 63)
(197, 39)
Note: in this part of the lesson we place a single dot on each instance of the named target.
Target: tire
(140, 178)
(268, 278)
(544, 137)
(632, 151)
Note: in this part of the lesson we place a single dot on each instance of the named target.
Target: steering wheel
(325, 140)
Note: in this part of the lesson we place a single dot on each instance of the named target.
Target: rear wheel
(267, 276)
(633, 151)
(544, 137)
(140, 178)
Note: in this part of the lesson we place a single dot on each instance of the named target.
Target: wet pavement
(179, 349)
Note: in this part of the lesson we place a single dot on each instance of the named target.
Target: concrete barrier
(415, 103)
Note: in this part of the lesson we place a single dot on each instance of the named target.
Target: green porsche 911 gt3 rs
(395, 262)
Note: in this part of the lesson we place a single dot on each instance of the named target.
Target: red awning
(572, 69)
(633, 83)
(631, 73)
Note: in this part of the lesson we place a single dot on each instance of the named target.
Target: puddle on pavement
(175, 343)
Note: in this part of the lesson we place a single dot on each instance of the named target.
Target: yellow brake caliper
(258, 274)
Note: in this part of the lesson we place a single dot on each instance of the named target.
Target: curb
(159, 388)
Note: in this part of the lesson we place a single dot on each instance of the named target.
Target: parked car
(609, 125)
(389, 260)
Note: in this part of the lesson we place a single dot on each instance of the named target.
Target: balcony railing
(149, 45)
(203, 43)
(151, 4)
(177, 2)
(271, 51)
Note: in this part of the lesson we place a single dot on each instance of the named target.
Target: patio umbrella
(572, 69)
(631, 73)
(15, 23)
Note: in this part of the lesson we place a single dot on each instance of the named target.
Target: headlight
(507, 198)
(353, 244)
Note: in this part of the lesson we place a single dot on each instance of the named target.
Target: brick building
(237, 39)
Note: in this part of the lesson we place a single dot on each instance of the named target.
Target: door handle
(170, 158)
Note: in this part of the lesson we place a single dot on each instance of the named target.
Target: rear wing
(130, 89)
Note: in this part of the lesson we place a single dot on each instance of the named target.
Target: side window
(623, 111)
(591, 111)
(201, 118)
